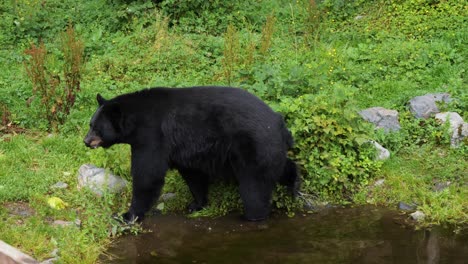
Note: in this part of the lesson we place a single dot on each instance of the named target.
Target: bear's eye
(93, 128)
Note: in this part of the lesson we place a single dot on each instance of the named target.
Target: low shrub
(332, 143)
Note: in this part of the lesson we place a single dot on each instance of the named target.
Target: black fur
(203, 132)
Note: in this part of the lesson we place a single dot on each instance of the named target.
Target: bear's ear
(114, 112)
(100, 99)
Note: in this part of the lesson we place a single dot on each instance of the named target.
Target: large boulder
(382, 118)
(99, 180)
(426, 105)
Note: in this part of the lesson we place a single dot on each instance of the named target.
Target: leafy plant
(212, 17)
(223, 198)
(331, 143)
(415, 132)
(285, 202)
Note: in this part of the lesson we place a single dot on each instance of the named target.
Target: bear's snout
(92, 141)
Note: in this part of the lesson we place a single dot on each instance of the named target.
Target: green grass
(395, 51)
(31, 164)
(411, 177)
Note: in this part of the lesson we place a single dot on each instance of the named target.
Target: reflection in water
(353, 235)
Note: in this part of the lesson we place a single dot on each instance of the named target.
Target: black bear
(203, 132)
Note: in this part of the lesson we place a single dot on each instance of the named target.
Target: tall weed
(312, 21)
(5, 115)
(231, 52)
(57, 97)
(267, 35)
(72, 49)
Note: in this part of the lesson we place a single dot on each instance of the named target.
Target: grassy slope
(390, 55)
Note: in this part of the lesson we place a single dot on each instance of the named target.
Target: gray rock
(463, 130)
(440, 186)
(425, 106)
(382, 118)
(406, 207)
(418, 216)
(458, 128)
(382, 153)
(98, 180)
(62, 223)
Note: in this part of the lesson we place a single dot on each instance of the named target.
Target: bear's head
(105, 126)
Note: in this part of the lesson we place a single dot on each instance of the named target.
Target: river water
(336, 235)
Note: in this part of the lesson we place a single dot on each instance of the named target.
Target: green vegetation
(332, 144)
(317, 62)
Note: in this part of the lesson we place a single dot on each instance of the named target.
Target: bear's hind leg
(198, 184)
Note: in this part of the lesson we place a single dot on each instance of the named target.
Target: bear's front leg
(148, 172)
(198, 185)
(145, 192)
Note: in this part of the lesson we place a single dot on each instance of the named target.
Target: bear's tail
(290, 177)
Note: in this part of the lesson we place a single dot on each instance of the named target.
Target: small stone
(62, 223)
(406, 207)
(160, 206)
(77, 222)
(379, 182)
(382, 153)
(167, 196)
(418, 216)
(60, 185)
(440, 186)
(98, 180)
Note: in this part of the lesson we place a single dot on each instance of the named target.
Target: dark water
(353, 235)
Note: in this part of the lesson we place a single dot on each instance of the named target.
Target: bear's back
(215, 98)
